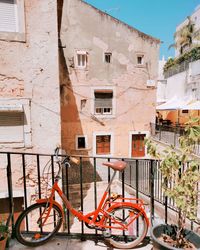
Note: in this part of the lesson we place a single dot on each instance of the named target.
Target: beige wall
(29, 71)
(86, 28)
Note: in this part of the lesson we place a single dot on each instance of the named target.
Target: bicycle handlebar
(66, 159)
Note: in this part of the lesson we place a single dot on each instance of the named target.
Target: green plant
(190, 56)
(183, 37)
(4, 230)
(181, 175)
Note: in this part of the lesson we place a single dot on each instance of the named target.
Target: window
(107, 57)
(12, 22)
(185, 111)
(103, 102)
(140, 59)
(8, 16)
(11, 127)
(81, 59)
(81, 142)
(103, 144)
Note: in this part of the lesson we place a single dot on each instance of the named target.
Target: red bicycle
(123, 221)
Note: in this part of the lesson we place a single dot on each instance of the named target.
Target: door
(138, 147)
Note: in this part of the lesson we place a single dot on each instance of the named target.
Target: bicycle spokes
(126, 227)
(39, 223)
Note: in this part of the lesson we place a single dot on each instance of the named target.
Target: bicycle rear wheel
(137, 228)
(28, 228)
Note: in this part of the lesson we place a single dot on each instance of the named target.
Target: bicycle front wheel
(136, 227)
(29, 228)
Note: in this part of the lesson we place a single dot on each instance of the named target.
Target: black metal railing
(146, 179)
(170, 134)
(29, 176)
(178, 68)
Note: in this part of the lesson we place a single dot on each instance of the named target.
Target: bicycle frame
(106, 205)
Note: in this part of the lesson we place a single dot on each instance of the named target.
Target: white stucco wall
(29, 70)
(183, 85)
(176, 86)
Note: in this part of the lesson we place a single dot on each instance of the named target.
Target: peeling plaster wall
(86, 28)
(29, 70)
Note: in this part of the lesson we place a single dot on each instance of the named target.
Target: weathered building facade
(179, 90)
(70, 75)
(108, 94)
(29, 92)
(29, 76)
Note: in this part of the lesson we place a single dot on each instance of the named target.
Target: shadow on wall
(70, 127)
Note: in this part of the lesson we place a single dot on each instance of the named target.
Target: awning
(172, 104)
(11, 108)
(176, 103)
(193, 105)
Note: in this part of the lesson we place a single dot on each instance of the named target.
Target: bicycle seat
(117, 165)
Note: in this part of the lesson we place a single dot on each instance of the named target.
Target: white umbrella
(172, 104)
(193, 105)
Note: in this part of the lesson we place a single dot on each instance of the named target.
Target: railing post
(166, 202)
(160, 130)
(66, 190)
(175, 136)
(137, 191)
(38, 175)
(81, 189)
(10, 193)
(137, 180)
(151, 179)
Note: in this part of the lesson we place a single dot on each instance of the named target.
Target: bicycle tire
(130, 238)
(31, 234)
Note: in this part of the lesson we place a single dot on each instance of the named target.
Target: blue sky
(157, 18)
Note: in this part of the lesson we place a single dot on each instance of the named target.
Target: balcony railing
(170, 134)
(177, 68)
(29, 175)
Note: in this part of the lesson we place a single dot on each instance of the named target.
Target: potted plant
(4, 231)
(181, 175)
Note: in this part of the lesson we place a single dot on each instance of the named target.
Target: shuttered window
(103, 144)
(11, 127)
(8, 16)
(103, 102)
(138, 146)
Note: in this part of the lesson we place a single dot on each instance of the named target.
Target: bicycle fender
(129, 204)
(53, 201)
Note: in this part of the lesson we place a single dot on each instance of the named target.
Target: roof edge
(120, 21)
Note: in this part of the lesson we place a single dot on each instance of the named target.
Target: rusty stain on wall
(11, 86)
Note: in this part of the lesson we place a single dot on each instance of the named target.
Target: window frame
(81, 53)
(15, 124)
(19, 35)
(103, 133)
(110, 56)
(103, 115)
(142, 59)
(86, 142)
(185, 112)
(103, 112)
(27, 133)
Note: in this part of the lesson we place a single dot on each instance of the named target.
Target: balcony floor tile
(72, 244)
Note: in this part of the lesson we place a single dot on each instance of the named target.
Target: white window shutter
(8, 16)
(11, 127)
